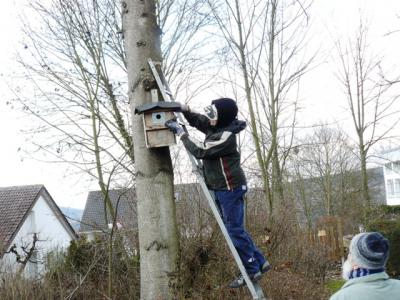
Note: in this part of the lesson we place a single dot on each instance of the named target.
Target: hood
(235, 127)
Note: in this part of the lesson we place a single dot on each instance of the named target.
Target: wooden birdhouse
(154, 116)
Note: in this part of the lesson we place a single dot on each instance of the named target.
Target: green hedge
(391, 230)
(390, 211)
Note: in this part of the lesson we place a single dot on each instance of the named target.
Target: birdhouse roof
(148, 107)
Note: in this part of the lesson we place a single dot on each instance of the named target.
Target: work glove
(175, 127)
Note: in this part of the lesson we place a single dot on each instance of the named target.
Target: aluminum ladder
(163, 87)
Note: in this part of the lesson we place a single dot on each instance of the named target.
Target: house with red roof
(31, 226)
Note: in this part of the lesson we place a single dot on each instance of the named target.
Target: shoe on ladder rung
(265, 267)
(239, 281)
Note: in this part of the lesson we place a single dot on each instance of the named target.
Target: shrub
(82, 272)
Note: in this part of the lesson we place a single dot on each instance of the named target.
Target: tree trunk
(364, 179)
(254, 131)
(154, 177)
(277, 181)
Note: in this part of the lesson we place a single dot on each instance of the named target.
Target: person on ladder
(224, 175)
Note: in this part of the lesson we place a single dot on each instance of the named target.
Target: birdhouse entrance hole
(158, 118)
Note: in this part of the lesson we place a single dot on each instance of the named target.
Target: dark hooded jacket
(219, 152)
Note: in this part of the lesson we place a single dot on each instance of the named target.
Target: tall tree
(237, 33)
(367, 97)
(154, 175)
(278, 84)
(266, 40)
(322, 169)
(75, 61)
(71, 60)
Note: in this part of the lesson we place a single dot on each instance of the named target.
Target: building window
(388, 168)
(390, 188)
(397, 187)
(393, 168)
(396, 168)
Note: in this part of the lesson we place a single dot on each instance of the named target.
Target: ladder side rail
(161, 85)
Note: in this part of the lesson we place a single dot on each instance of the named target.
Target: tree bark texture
(154, 177)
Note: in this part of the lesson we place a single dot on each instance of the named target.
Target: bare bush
(205, 266)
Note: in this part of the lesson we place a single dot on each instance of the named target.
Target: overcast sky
(330, 19)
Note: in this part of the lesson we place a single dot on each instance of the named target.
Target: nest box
(154, 116)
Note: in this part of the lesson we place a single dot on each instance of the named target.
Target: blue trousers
(231, 207)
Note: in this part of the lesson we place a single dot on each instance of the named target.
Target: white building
(391, 162)
(31, 225)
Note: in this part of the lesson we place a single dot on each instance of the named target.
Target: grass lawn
(333, 285)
